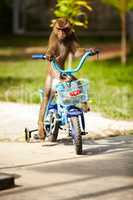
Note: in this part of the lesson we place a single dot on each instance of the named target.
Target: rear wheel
(53, 127)
(76, 134)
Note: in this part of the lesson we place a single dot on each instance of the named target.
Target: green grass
(20, 80)
(111, 84)
(111, 87)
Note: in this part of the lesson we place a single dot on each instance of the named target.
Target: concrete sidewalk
(14, 117)
(54, 172)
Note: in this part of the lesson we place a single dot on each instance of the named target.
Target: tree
(123, 6)
(130, 29)
(74, 10)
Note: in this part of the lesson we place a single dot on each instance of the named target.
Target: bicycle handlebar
(68, 71)
(39, 56)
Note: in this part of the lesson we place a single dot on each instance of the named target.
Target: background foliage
(75, 11)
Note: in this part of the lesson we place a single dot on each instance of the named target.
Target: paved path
(54, 172)
(14, 117)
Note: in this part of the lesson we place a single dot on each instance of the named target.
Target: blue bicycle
(63, 109)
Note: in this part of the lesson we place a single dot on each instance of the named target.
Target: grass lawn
(111, 85)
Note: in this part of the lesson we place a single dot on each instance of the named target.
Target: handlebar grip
(93, 52)
(39, 56)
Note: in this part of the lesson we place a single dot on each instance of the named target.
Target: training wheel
(27, 135)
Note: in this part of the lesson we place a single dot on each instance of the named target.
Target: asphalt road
(53, 171)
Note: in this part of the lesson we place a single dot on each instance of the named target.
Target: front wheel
(53, 129)
(76, 134)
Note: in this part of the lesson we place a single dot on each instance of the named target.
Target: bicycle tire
(54, 128)
(77, 136)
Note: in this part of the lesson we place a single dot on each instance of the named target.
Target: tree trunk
(17, 28)
(130, 29)
(123, 39)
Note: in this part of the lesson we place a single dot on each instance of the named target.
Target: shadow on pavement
(110, 145)
(106, 146)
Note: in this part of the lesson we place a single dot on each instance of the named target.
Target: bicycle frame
(65, 112)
